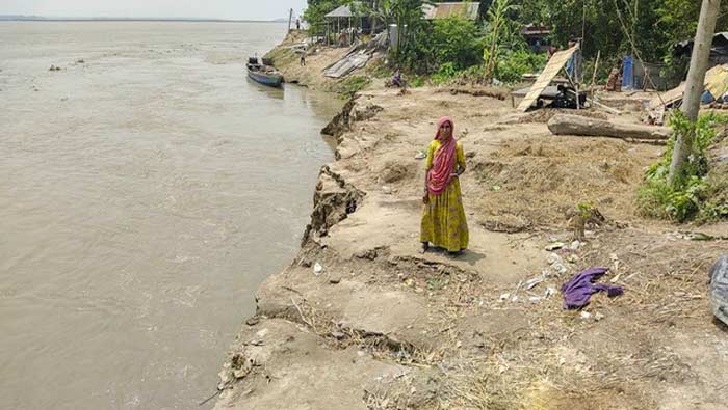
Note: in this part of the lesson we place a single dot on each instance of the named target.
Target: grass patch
(353, 85)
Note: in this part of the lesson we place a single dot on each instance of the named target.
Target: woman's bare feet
(425, 247)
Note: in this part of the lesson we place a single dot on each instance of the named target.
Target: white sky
(218, 9)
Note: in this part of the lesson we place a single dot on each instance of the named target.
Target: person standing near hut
(443, 217)
(614, 81)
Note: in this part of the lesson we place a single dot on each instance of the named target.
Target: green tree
(457, 41)
(315, 13)
(499, 30)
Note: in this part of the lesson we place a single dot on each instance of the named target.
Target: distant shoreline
(117, 19)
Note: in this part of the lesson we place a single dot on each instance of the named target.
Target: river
(146, 189)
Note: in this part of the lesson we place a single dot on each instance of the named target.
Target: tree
(684, 143)
(315, 13)
(457, 41)
(496, 34)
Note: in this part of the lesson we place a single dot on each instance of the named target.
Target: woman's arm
(461, 166)
(429, 159)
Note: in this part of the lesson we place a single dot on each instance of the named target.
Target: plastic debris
(505, 296)
(585, 315)
(553, 258)
(719, 289)
(598, 316)
(317, 269)
(554, 246)
(560, 268)
(531, 283)
(575, 245)
(420, 155)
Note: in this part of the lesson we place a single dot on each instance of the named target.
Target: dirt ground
(361, 319)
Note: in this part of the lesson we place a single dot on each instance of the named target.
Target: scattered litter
(585, 315)
(553, 258)
(495, 188)
(572, 259)
(598, 316)
(505, 296)
(420, 155)
(630, 276)
(560, 268)
(549, 292)
(613, 257)
(535, 299)
(387, 189)
(317, 269)
(575, 245)
(531, 283)
(554, 246)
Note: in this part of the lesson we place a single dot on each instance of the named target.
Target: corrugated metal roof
(344, 11)
(438, 11)
(340, 12)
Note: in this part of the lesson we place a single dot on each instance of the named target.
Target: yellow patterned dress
(443, 217)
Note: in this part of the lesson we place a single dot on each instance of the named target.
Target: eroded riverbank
(361, 319)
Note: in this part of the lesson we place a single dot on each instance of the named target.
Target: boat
(263, 73)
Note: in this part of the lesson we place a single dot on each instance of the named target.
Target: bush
(690, 197)
(445, 74)
(511, 68)
(458, 42)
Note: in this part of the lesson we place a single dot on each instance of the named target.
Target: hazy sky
(221, 9)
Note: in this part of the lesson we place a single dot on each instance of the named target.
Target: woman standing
(443, 217)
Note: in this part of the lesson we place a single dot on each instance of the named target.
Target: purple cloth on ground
(579, 289)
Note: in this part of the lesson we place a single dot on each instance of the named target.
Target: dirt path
(363, 320)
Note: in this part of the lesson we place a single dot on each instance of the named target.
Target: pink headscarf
(438, 177)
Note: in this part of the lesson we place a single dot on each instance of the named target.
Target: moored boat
(263, 73)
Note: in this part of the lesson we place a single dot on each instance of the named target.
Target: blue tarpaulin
(627, 77)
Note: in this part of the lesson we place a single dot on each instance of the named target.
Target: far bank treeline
(493, 46)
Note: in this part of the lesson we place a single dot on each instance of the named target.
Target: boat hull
(271, 80)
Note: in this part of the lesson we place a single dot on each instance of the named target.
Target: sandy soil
(361, 319)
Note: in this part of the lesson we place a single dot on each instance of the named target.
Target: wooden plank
(553, 67)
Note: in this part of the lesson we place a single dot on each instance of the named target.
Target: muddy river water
(146, 189)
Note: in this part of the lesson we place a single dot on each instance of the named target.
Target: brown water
(144, 195)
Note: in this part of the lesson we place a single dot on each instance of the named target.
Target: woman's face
(446, 130)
